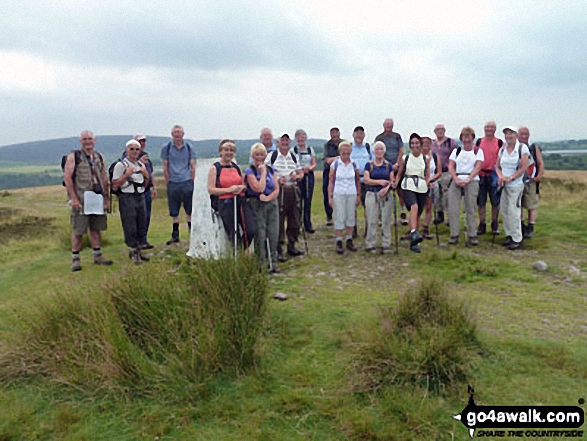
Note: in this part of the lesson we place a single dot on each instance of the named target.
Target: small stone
(405, 264)
(280, 296)
(540, 265)
(320, 273)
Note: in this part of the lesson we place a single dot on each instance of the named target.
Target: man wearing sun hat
(130, 177)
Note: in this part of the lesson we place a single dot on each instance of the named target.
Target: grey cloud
(219, 36)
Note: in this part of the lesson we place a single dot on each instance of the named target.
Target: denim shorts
(180, 193)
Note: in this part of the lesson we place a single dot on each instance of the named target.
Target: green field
(307, 383)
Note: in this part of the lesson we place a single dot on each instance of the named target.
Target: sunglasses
(134, 149)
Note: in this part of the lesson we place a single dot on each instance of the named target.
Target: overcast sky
(229, 68)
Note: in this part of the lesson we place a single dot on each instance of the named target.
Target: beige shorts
(529, 197)
(80, 222)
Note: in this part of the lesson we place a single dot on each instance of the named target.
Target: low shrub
(161, 332)
(427, 340)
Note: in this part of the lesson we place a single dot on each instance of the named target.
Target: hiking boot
(415, 248)
(99, 260)
(310, 230)
(147, 246)
(426, 233)
(76, 264)
(439, 218)
(453, 240)
(329, 222)
(415, 239)
(529, 233)
(482, 228)
(495, 228)
(280, 257)
(370, 250)
(339, 248)
(293, 251)
(514, 245)
(507, 241)
(135, 256)
(385, 250)
(404, 218)
(174, 238)
(350, 246)
(473, 241)
(144, 257)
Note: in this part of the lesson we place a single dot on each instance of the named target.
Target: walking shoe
(99, 260)
(514, 245)
(415, 238)
(339, 248)
(453, 240)
(350, 246)
(385, 250)
(329, 222)
(482, 228)
(370, 250)
(146, 246)
(507, 241)
(76, 264)
(473, 241)
(143, 257)
(495, 228)
(172, 240)
(529, 233)
(293, 251)
(439, 218)
(404, 219)
(275, 269)
(280, 257)
(415, 248)
(426, 233)
(310, 230)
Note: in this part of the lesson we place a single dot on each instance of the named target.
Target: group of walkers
(271, 200)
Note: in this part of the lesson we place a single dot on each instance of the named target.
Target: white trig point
(208, 238)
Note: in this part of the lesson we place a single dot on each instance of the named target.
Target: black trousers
(325, 180)
(133, 216)
(245, 218)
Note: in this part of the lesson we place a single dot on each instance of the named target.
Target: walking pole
(465, 232)
(435, 223)
(395, 221)
(269, 255)
(234, 203)
(302, 216)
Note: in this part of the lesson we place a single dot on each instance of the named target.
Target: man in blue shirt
(266, 139)
(179, 169)
(361, 155)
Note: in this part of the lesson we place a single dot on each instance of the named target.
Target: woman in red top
(225, 181)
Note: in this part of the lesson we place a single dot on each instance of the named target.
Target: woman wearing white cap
(512, 163)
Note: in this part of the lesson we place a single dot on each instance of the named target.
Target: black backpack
(77, 154)
(276, 152)
(118, 191)
(213, 198)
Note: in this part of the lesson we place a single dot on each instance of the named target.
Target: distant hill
(49, 152)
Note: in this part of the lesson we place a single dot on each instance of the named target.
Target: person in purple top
(262, 193)
(443, 147)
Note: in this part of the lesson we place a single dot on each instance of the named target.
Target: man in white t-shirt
(130, 178)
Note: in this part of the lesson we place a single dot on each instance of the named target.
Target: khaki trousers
(469, 194)
(377, 208)
(511, 212)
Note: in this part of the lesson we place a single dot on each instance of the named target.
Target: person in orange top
(225, 181)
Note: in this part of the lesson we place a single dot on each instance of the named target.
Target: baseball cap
(133, 142)
(140, 137)
(510, 128)
(284, 135)
(359, 128)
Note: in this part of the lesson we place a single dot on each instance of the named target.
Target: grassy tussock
(427, 340)
(157, 332)
(17, 226)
